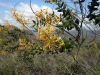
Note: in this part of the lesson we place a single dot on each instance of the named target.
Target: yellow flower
(51, 29)
(1, 29)
(56, 19)
(58, 39)
(46, 33)
(45, 11)
(39, 14)
(52, 0)
(61, 44)
(39, 29)
(19, 18)
(48, 44)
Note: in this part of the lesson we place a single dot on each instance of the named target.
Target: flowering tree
(76, 17)
(47, 23)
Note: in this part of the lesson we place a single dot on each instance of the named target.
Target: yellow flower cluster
(60, 42)
(50, 18)
(1, 29)
(2, 52)
(52, 0)
(46, 33)
(23, 44)
(8, 26)
(19, 18)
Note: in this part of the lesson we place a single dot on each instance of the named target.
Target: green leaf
(60, 27)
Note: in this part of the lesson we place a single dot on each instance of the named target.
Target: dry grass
(48, 64)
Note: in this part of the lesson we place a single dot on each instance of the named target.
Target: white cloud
(1, 21)
(25, 9)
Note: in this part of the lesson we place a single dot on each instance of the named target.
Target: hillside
(9, 37)
(17, 57)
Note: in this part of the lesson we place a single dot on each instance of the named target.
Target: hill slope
(9, 37)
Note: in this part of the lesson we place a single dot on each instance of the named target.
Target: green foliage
(9, 40)
(27, 55)
(69, 44)
(93, 7)
(66, 17)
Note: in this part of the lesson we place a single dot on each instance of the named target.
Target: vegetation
(46, 50)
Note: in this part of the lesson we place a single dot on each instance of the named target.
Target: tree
(72, 20)
(47, 23)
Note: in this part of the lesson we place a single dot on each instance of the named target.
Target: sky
(23, 6)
